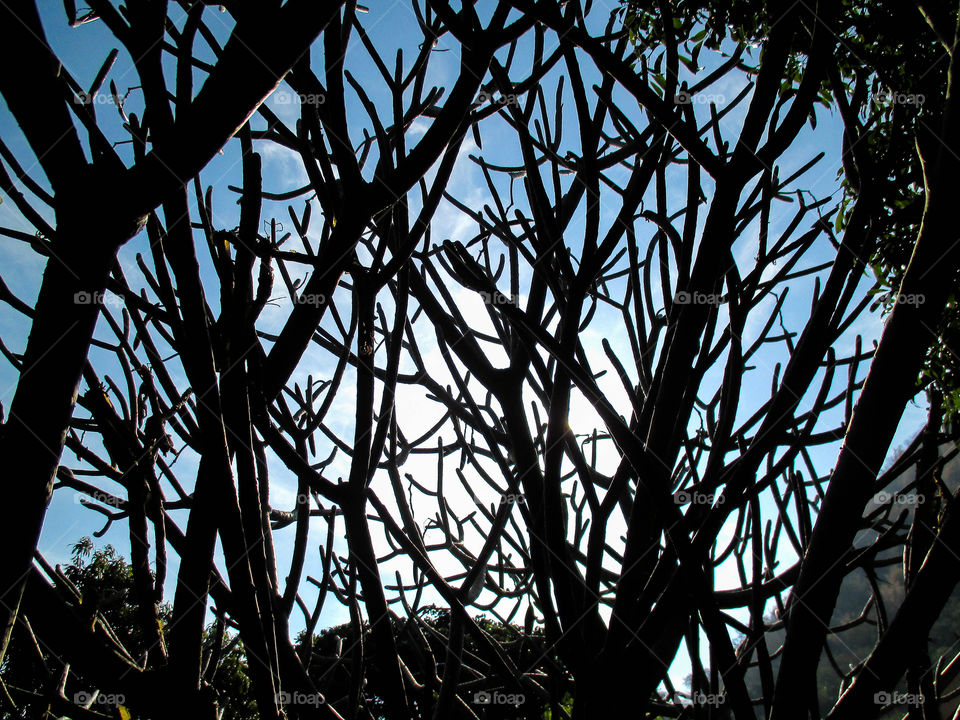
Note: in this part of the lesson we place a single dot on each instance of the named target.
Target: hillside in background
(853, 644)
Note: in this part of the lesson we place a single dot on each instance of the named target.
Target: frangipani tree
(500, 307)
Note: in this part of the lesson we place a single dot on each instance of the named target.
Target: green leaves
(894, 78)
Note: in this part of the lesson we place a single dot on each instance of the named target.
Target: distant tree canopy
(104, 594)
(333, 649)
(535, 343)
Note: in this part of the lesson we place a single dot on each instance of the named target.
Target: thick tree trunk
(890, 385)
(64, 320)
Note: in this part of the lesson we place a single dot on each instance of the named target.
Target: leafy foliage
(894, 67)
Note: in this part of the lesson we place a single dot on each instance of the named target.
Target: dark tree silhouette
(612, 386)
